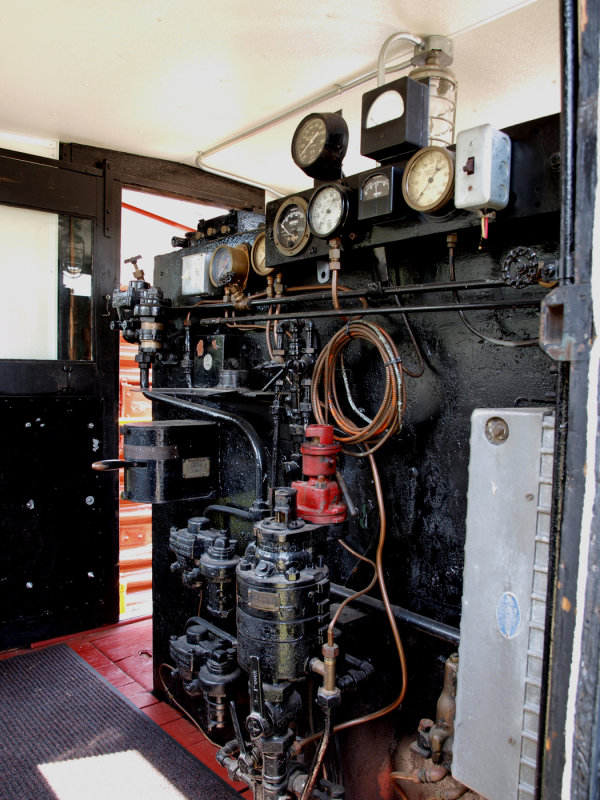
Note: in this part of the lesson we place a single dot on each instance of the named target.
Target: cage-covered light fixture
(432, 60)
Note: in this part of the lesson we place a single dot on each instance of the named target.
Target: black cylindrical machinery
(283, 594)
(217, 567)
(206, 664)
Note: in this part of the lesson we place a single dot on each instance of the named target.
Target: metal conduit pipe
(405, 36)
(403, 615)
(412, 288)
(372, 311)
(335, 91)
(216, 413)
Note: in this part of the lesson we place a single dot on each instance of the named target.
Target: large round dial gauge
(229, 265)
(319, 145)
(258, 256)
(428, 181)
(290, 228)
(327, 211)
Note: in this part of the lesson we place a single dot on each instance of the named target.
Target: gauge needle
(308, 144)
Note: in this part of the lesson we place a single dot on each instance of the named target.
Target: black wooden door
(59, 259)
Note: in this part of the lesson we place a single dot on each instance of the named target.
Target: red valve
(319, 498)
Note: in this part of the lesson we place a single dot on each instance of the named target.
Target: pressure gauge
(379, 194)
(428, 181)
(328, 210)
(258, 256)
(229, 265)
(290, 228)
(319, 145)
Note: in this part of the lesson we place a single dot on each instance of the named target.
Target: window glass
(46, 274)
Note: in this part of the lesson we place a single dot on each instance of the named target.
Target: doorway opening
(148, 223)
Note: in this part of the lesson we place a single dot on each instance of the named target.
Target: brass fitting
(278, 284)
(330, 654)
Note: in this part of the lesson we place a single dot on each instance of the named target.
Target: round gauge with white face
(290, 227)
(327, 211)
(375, 186)
(319, 145)
(428, 181)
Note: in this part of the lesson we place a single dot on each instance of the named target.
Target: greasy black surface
(58, 571)
(424, 469)
(58, 709)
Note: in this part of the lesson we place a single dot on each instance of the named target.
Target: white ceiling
(167, 78)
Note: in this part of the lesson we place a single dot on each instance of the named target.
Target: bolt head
(496, 430)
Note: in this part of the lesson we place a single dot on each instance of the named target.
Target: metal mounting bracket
(566, 322)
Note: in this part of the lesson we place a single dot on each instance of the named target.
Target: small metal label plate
(263, 601)
(196, 467)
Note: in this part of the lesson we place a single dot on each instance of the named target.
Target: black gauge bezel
(337, 229)
(327, 165)
(301, 244)
(402, 135)
(444, 198)
(386, 207)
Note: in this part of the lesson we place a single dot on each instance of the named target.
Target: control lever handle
(115, 463)
(237, 729)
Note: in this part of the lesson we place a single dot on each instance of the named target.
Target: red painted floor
(123, 656)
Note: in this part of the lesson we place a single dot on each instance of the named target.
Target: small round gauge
(375, 186)
(229, 265)
(258, 256)
(428, 180)
(319, 145)
(290, 227)
(327, 211)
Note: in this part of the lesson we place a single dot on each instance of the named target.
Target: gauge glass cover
(290, 227)
(428, 179)
(258, 256)
(326, 211)
(385, 107)
(376, 186)
(221, 266)
(310, 141)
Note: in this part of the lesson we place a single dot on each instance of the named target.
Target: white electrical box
(482, 169)
(195, 278)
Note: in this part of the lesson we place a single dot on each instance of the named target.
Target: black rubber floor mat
(66, 733)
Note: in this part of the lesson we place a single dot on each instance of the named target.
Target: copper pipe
(402, 658)
(318, 759)
(344, 603)
(430, 775)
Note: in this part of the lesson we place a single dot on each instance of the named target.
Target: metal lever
(114, 463)
(256, 722)
(237, 728)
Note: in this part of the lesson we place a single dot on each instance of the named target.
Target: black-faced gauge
(379, 194)
(428, 180)
(319, 145)
(258, 256)
(290, 228)
(230, 265)
(328, 210)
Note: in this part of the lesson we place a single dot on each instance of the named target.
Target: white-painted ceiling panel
(167, 78)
